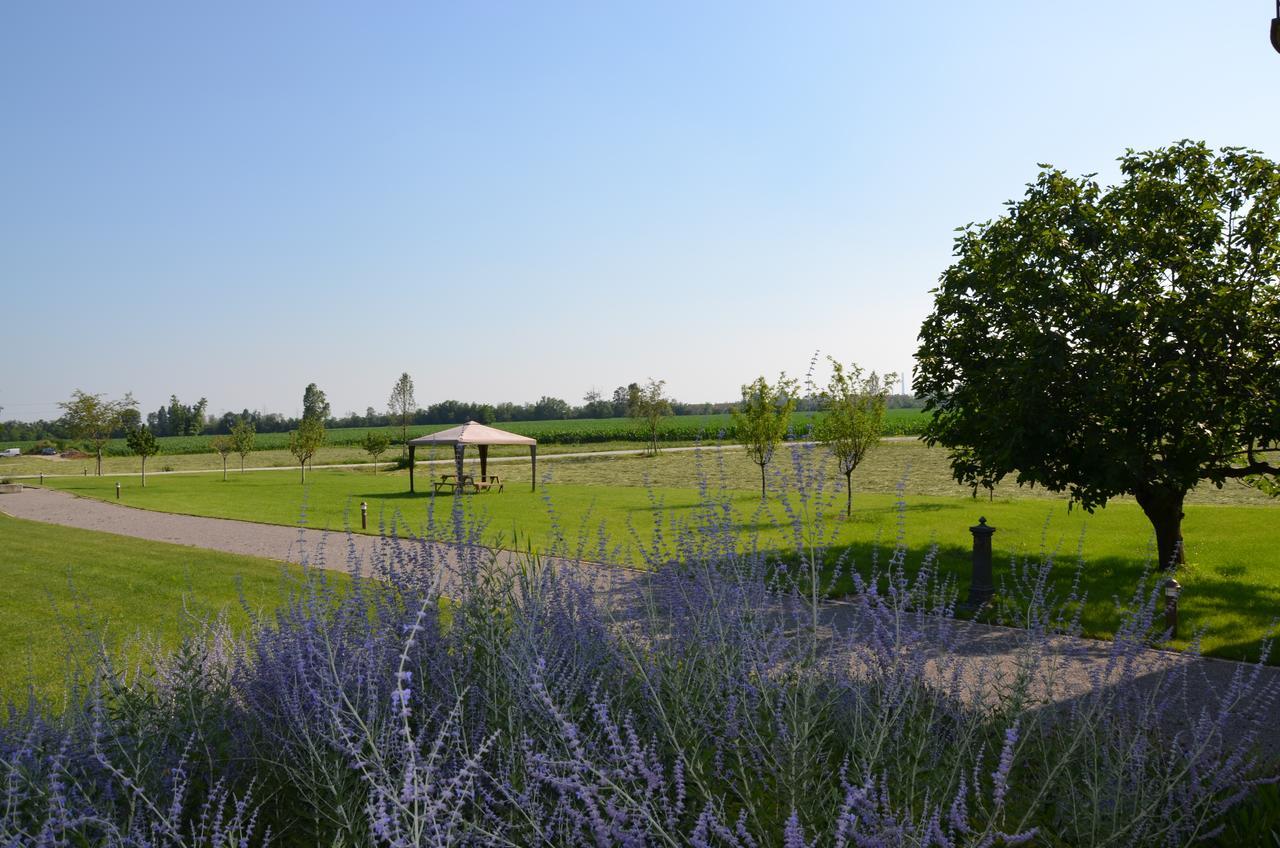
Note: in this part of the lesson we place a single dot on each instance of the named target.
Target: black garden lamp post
(1275, 28)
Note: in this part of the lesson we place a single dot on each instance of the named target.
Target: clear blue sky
(509, 200)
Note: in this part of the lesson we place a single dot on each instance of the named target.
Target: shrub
(443, 697)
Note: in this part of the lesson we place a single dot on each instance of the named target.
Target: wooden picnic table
(452, 482)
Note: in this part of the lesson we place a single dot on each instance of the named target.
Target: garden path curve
(991, 654)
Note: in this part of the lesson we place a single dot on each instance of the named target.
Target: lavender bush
(445, 695)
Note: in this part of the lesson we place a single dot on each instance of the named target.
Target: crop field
(572, 431)
(1232, 580)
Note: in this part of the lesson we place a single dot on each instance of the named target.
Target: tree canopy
(762, 419)
(402, 405)
(143, 442)
(93, 418)
(854, 406)
(650, 405)
(305, 441)
(1119, 340)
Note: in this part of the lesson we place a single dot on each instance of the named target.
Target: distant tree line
(179, 419)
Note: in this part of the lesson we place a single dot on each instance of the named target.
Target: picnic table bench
(451, 483)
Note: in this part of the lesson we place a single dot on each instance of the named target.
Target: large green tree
(853, 419)
(761, 420)
(94, 418)
(1119, 340)
(314, 404)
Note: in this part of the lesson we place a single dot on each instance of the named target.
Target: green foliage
(762, 419)
(222, 445)
(242, 438)
(1116, 341)
(90, 417)
(143, 442)
(305, 441)
(375, 444)
(650, 406)
(855, 410)
(402, 404)
(314, 405)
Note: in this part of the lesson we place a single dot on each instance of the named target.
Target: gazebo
(473, 433)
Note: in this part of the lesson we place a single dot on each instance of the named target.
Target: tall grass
(447, 697)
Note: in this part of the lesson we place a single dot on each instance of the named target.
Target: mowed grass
(1232, 583)
(67, 591)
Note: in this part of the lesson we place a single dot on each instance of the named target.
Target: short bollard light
(1172, 590)
(364, 515)
(982, 586)
(117, 491)
(41, 478)
(1275, 28)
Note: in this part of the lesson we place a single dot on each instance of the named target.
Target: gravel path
(992, 652)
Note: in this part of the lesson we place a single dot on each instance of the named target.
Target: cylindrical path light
(982, 584)
(1275, 28)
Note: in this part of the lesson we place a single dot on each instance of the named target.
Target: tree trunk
(144, 472)
(1163, 508)
(304, 472)
(241, 463)
(224, 469)
(99, 470)
(763, 495)
(848, 490)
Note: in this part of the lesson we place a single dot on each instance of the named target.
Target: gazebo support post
(457, 459)
(412, 448)
(484, 463)
(533, 457)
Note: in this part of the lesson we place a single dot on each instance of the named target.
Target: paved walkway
(991, 653)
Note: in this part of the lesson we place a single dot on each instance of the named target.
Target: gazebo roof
(473, 433)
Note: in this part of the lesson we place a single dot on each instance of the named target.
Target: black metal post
(1275, 28)
(411, 450)
(117, 491)
(981, 586)
(1172, 591)
(364, 515)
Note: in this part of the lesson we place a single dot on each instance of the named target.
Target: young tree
(315, 409)
(1116, 341)
(650, 406)
(761, 420)
(224, 446)
(402, 406)
(142, 442)
(94, 419)
(305, 441)
(242, 437)
(314, 405)
(854, 418)
(375, 444)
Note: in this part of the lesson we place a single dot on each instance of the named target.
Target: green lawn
(1232, 582)
(64, 588)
